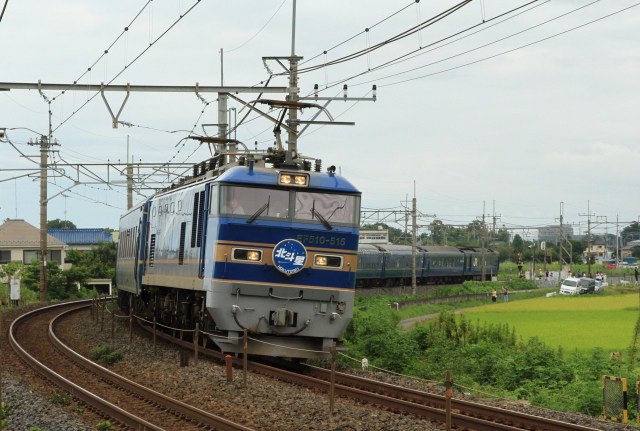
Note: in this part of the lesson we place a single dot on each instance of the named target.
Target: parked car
(611, 266)
(575, 286)
(600, 285)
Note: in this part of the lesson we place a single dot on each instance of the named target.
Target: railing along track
(465, 414)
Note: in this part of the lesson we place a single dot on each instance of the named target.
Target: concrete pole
(129, 179)
(413, 247)
(222, 124)
(43, 218)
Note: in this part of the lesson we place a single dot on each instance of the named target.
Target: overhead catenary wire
(438, 44)
(434, 19)
(367, 29)
(6, 2)
(503, 52)
(152, 43)
(106, 51)
(259, 31)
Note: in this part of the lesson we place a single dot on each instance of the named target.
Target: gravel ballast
(265, 404)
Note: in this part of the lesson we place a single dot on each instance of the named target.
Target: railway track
(465, 414)
(126, 403)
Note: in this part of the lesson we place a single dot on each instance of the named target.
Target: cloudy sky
(525, 109)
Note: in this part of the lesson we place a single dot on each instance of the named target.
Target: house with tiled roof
(81, 239)
(20, 242)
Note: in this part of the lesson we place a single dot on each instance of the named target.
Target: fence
(614, 398)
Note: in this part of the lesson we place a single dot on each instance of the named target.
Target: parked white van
(574, 286)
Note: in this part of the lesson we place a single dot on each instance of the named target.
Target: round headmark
(289, 256)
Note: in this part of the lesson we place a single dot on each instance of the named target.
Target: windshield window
(570, 283)
(333, 208)
(245, 202)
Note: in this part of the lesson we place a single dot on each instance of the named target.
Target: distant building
(20, 242)
(551, 234)
(627, 250)
(598, 251)
(81, 239)
(374, 237)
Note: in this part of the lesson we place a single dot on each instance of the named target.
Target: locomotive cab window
(248, 202)
(327, 208)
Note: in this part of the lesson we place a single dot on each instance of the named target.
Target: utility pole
(484, 235)
(129, 179)
(493, 235)
(617, 243)
(589, 245)
(413, 244)
(44, 150)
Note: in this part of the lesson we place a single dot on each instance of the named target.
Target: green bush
(62, 398)
(104, 426)
(479, 355)
(6, 411)
(106, 354)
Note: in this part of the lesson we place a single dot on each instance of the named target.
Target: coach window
(248, 202)
(334, 208)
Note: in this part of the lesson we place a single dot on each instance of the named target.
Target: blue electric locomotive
(269, 250)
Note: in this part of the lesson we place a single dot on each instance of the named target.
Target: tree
(99, 262)
(517, 243)
(438, 231)
(60, 224)
(630, 232)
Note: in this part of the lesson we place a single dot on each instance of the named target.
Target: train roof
(440, 249)
(269, 177)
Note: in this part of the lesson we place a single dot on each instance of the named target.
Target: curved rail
(467, 414)
(110, 410)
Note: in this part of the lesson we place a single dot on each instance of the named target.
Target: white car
(575, 286)
(600, 285)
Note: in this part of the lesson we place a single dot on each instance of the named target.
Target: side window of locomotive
(332, 207)
(213, 201)
(246, 202)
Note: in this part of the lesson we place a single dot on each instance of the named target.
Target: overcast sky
(531, 109)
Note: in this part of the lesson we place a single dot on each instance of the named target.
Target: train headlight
(243, 254)
(253, 255)
(327, 261)
(285, 179)
(291, 179)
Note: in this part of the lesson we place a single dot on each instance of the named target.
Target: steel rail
(466, 414)
(155, 397)
(106, 408)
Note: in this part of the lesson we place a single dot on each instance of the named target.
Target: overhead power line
(366, 30)
(390, 40)
(3, 9)
(500, 53)
(152, 43)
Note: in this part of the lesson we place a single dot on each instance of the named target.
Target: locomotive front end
(281, 260)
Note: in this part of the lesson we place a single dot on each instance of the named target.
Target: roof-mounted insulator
(344, 91)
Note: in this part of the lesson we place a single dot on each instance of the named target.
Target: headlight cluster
(329, 261)
(247, 255)
(301, 180)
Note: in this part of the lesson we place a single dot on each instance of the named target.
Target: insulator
(307, 165)
(318, 166)
(195, 170)
(241, 160)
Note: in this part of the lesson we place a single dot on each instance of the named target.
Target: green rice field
(573, 322)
